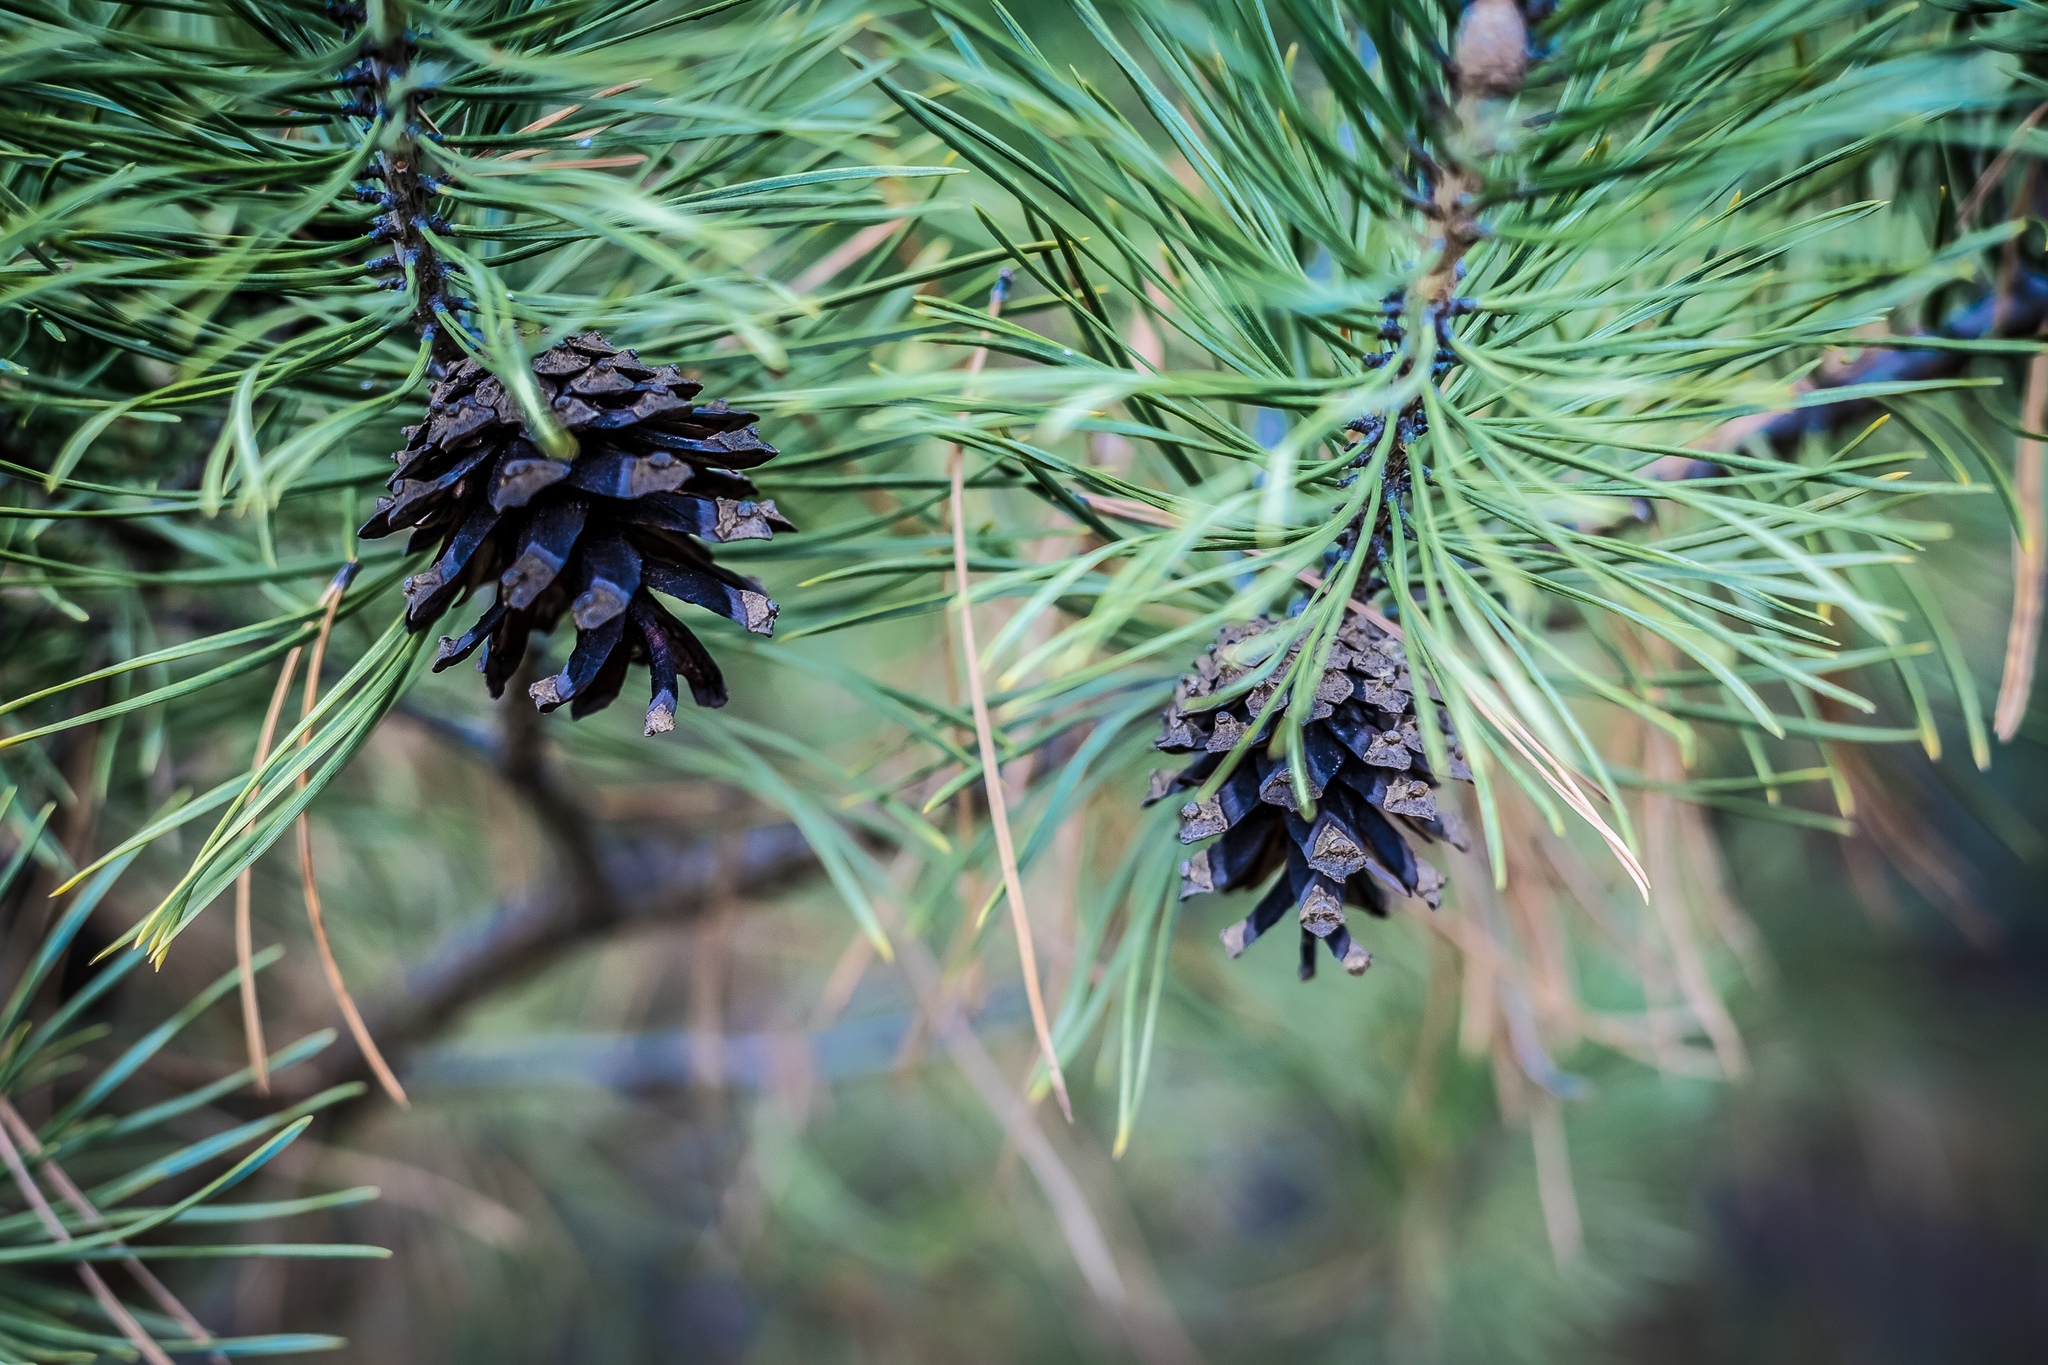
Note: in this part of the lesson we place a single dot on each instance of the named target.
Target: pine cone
(1366, 772)
(587, 537)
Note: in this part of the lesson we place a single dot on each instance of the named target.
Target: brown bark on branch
(602, 885)
(2019, 311)
(658, 885)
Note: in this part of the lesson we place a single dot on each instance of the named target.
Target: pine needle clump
(1529, 330)
(251, 241)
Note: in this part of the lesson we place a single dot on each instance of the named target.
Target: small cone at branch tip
(654, 475)
(1367, 772)
(1493, 49)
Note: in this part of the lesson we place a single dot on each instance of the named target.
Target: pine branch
(562, 820)
(2020, 311)
(668, 885)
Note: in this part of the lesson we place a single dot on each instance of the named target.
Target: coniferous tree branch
(508, 947)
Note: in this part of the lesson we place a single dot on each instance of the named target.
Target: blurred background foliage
(669, 1099)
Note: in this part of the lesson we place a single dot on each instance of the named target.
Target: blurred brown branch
(510, 945)
(604, 884)
(2019, 309)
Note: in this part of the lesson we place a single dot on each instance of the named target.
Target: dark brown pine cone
(588, 537)
(1366, 772)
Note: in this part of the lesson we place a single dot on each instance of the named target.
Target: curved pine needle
(252, 1012)
(335, 981)
(984, 734)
